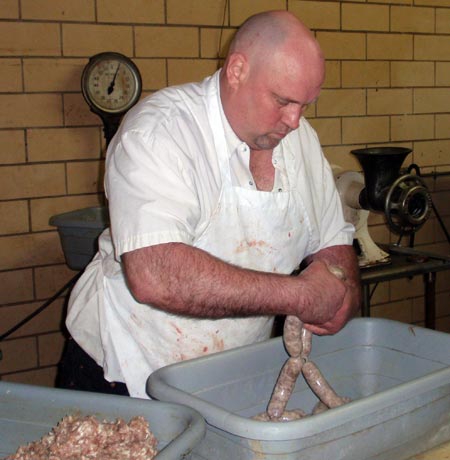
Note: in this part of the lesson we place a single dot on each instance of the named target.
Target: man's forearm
(186, 280)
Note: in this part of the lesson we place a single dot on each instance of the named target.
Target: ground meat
(86, 438)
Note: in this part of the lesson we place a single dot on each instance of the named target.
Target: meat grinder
(403, 198)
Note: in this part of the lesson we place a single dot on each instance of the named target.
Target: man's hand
(339, 299)
(322, 292)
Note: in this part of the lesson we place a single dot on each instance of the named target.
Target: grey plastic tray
(28, 412)
(79, 231)
(397, 375)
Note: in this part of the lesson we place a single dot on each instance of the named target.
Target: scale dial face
(111, 83)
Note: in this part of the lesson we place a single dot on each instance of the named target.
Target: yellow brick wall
(388, 79)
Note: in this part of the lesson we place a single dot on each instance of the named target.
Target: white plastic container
(397, 375)
(28, 412)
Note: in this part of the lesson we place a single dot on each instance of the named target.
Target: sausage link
(284, 387)
(298, 341)
(306, 337)
(286, 416)
(262, 417)
(320, 386)
(292, 331)
(290, 415)
(319, 408)
(338, 272)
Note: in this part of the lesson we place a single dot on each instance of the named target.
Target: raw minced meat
(86, 438)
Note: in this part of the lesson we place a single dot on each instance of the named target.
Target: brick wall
(388, 79)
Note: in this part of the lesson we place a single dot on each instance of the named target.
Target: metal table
(406, 262)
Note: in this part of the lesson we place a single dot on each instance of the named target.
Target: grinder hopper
(405, 200)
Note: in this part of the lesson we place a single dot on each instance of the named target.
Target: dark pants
(78, 371)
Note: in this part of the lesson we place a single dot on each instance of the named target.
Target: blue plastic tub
(78, 232)
(29, 412)
(397, 375)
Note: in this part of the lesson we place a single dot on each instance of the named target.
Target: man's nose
(291, 115)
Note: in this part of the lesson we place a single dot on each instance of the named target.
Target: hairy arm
(185, 280)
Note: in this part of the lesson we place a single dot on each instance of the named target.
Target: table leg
(365, 309)
(429, 280)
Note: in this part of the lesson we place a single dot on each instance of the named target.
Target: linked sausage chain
(297, 341)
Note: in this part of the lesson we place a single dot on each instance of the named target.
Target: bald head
(273, 70)
(264, 34)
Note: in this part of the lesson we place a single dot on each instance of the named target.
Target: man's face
(272, 99)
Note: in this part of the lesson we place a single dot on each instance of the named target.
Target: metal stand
(406, 262)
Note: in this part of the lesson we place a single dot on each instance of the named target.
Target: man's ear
(237, 69)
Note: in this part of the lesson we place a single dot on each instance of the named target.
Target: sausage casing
(284, 387)
(306, 337)
(292, 332)
(290, 415)
(319, 408)
(320, 386)
(286, 416)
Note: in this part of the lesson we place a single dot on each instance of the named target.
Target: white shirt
(169, 195)
(173, 168)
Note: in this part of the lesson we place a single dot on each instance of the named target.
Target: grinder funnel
(381, 167)
(405, 200)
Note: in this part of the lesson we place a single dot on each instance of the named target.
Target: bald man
(217, 192)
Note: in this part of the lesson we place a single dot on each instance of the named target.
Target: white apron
(265, 231)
